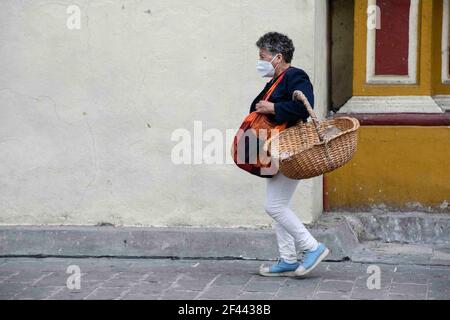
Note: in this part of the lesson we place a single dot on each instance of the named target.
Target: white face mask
(265, 68)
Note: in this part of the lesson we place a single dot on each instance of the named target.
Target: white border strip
(393, 104)
(411, 78)
(445, 43)
(443, 101)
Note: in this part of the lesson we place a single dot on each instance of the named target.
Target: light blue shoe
(311, 260)
(280, 269)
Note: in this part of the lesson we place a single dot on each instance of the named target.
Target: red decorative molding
(400, 119)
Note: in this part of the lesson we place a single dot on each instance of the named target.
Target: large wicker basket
(311, 149)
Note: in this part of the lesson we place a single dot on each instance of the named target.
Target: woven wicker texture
(311, 149)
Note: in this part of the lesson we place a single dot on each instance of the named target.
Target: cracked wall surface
(86, 115)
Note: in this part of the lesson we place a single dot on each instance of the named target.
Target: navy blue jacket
(287, 110)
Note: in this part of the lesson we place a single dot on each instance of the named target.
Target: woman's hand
(265, 107)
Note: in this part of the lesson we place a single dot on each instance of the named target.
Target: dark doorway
(341, 46)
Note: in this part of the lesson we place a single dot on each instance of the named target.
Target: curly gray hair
(275, 43)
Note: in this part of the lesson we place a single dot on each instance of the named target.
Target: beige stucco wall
(86, 116)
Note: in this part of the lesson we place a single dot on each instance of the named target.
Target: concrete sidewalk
(106, 278)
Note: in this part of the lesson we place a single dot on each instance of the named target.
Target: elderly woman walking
(276, 52)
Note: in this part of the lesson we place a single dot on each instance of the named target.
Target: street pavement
(167, 279)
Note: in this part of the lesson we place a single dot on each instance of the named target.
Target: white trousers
(292, 236)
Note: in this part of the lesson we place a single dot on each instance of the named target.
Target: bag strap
(274, 86)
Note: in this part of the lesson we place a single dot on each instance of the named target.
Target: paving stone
(295, 292)
(10, 290)
(28, 277)
(34, 293)
(106, 294)
(162, 276)
(222, 292)
(187, 284)
(411, 268)
(145, 287)
(337, 275)
(123, 280)
(32, 266)
(330, 296)
(302, 283)
(140, 296)
(438, 274)
(335, 286)
(367, 294)
(75, 294)
(439, 290)
(179, 295)
(53, 280)
(97, 275)
(440, 284)
(4, 273)
(256, 296)
(262, 285)
(393, 296)
(409, 290)
(151, 279)
(439, 296)
(226, 279)
(416, 278)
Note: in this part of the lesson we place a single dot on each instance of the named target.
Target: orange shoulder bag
(247, 149)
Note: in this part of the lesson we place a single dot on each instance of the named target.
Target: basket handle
(300, 96)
